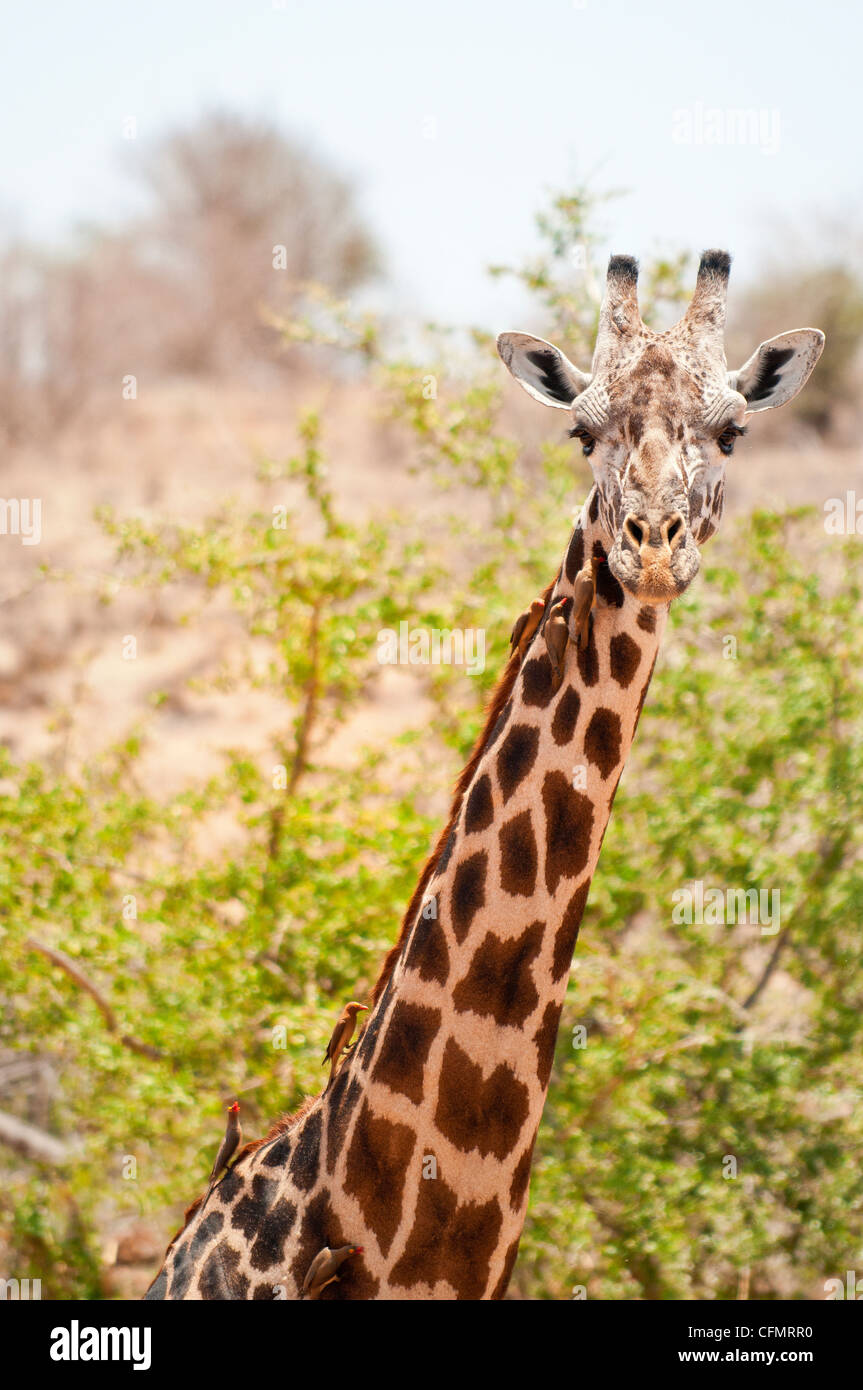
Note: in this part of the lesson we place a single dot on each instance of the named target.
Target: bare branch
(781, 942)
(32, 1142)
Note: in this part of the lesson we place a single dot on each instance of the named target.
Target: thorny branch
(830, 854)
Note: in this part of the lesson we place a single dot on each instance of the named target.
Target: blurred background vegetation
(207, 846)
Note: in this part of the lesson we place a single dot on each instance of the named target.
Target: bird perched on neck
(231, 1142)
(525, 626)
(342, 1034)
(583, 595)
(324, 1269)
(559, 622)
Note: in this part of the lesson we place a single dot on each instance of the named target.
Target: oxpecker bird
(342, 1034)
(525, 626)
(231, 1142)
(324, 1267)
(583, 595)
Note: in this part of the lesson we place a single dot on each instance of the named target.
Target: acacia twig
(74, 971)
(310, 700)
(94, 861)
(830, 854)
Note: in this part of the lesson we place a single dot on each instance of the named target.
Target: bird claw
(556, 632)
(579, 630)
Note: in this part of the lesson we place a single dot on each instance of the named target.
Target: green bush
(220, 975)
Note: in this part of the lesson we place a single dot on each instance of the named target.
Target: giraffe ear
(542, 369)
(778, 369)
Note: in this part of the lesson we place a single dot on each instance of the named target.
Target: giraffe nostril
(635, 531)
(675, 528)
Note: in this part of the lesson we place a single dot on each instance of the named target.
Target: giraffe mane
(276, 1130)
(500, 695)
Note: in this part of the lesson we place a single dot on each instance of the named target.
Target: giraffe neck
(462, 1044)
(420, 1151)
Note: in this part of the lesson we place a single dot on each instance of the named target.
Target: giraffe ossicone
(419, 1151)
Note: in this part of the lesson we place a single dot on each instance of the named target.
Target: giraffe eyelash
(588, 443)
(729, 436)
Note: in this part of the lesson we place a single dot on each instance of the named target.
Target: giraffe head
(658, 415)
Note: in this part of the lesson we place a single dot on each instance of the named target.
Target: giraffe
(420, 1149)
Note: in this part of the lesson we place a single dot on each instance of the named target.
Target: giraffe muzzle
(655, 556)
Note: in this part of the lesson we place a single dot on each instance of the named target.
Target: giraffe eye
(588, 443)
(728, 438)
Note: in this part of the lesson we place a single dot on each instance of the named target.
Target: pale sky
(456, 118)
